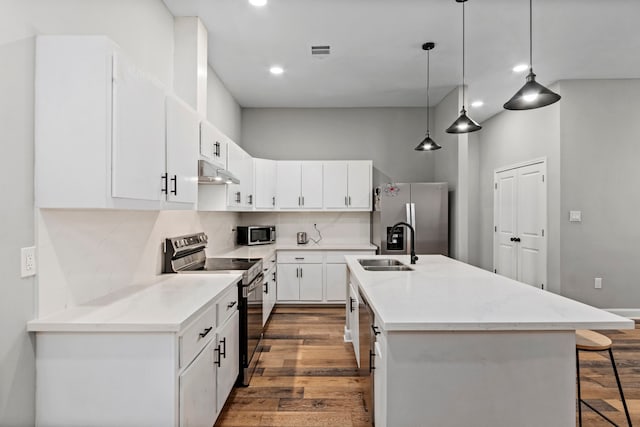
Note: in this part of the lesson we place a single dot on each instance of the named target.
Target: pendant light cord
(463, 25)
(531, 36)
(428, 56)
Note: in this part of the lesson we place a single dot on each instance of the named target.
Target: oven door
(254, 316)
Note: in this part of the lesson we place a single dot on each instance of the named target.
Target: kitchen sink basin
(401, 267)
(381, 262)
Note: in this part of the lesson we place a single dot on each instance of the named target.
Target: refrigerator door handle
(413, 215)
(408, 207)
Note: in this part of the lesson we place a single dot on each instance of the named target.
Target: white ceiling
(377, 60)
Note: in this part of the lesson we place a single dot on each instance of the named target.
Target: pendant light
(463, 124)
(532, 94)
(427, 143)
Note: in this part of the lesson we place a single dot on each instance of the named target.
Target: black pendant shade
(531, 95)
(428, 144)
(463, 124)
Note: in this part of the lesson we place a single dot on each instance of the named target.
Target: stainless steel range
(186, 254)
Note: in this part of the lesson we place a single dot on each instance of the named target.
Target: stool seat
(592, 341)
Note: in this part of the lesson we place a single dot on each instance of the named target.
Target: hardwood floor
(307, 376)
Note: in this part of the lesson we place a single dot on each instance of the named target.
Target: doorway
(520, 221)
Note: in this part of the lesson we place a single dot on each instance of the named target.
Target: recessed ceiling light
(520, 68)
(477, 104)
(258, 3)
(277, 70)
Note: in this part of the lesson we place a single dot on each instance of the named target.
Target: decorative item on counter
(302, 238)
(391, 189)
(315, 227)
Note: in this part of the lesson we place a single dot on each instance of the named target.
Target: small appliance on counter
(302, 238)
(249, 235)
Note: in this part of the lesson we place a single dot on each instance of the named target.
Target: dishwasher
(367, 340)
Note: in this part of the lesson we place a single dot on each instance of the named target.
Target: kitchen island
(456, 345)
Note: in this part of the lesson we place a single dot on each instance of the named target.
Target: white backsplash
(86, 254)
(336, 227)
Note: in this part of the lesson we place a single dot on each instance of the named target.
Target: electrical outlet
(598, 282)
(28, 261)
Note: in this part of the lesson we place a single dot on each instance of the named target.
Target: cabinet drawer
(227, 305)
(300, 257)
(338, 257)
(197, 335)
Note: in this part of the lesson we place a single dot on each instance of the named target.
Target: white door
(288, 282)
(138, 134)
(182, 152)
(198, 390)
(311, 185)
(229, 358)
(265, 183)
(336, 282)
(311, 282)
(288, 184)
(335, 185)
(520, 222)
(360, 194)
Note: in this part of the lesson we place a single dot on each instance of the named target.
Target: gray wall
(222, 109)
(600, 152)
(152, 50)
(512, 137)
(387, 136)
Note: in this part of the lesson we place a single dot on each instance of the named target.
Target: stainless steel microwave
(255, 234)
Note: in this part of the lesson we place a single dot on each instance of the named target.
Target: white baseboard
(347, 335)
(631, 313)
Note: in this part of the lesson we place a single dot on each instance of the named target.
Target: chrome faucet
(414, 258)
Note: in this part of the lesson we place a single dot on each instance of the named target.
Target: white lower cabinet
(226, 358)
(299, 282)
(336, 277)
(270, 289)
(380, 379)
(352, 320)
(198, 389)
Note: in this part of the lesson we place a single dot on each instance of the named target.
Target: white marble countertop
(443, 294)
(265, 251)
(166, 305)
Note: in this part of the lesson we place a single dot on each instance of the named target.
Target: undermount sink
(381, 262)
(401, 267)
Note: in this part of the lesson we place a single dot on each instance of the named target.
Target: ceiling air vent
(320, 51)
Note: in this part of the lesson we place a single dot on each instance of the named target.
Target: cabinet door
(213, 145)
(229, 357)
(182, 152)
(265, 183)
(311, 189)
(138, 134)
(269, 295)
(311, 282)
(380, 382)
(336, 282)
(335, 185)
(288, 282)
(359, 178)
(289, 186)
(248, 196)
(235, 165)
(198, 390)
(354, 322)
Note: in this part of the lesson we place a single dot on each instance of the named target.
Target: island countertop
(442, 294)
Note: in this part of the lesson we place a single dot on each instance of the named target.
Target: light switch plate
(28, 261)
(598, 282)
(575, 216)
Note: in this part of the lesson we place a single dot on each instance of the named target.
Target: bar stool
(593, 341)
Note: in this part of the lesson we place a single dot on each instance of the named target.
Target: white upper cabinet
(265, 183)
(182, 152)
(240, 163)
(347, 185)
(246, 182)
(213, 145)
(299, 185)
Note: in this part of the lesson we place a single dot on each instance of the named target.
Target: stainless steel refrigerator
(424, 205)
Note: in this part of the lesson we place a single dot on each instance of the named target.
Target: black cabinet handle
(223, 353)
(375, 330)
(351, 300)
(266, 287)
(217, 149)
(217, 362)
(165, 184)
(300, 258)
(206, 332)
(175, 184)
(250, 197)
(273, 201)
(297, 272)
(231, 304)
(372, 356)
(238, 197)
(302, 200)
(349, 200)
(515, 239)
(300, 272)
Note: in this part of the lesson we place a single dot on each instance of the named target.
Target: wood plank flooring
(307, 376)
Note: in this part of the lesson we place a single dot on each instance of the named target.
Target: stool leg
(624, 402)
(579, 396)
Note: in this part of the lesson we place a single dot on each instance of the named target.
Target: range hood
(211, 174)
